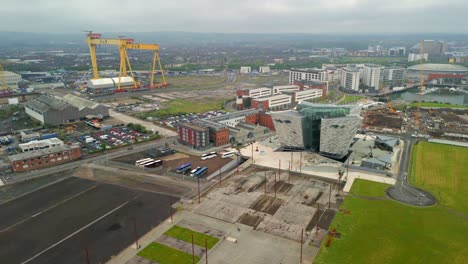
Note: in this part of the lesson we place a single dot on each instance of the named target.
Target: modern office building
(308, 85)
(372, 75)
(274, 103)
(285, 88)
(244, 96)
(350, 78)
(306, 95)
(326, 129)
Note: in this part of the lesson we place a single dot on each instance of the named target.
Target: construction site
(382, 120)
(287, 214)
(444, 123)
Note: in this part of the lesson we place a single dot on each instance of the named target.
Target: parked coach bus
(200, 172)
(184, 168)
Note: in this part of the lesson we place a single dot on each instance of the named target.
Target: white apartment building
(285, 88)
(245, 70)
(372, 75)
(350, 78)
(264, 69)
(394, 74)
(308, 75)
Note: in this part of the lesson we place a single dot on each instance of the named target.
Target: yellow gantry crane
(3, 79)
(95, 39)
(4, 89)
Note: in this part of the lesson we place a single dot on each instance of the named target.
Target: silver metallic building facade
(326, 129)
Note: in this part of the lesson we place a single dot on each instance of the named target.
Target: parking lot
(172, 161)
(114, 137)
(174, 121)
(57, 223)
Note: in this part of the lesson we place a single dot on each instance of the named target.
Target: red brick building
(33, 160)
(220, 137)
(260, 118)
(193, 135)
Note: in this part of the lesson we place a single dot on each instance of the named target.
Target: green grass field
(166, 255)
(181, 106)
(195, 81)
(351, 98)
(385, 231)
(443, 171)
(186, 235)
(429, 104)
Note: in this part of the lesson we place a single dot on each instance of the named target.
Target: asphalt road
(402, 191)
(58, 223)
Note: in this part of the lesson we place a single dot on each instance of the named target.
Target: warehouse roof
(79, 102)
(46, 102)
(438, 67)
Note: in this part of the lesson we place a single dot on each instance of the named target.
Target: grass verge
(369, 188)
(186, 235)
(166, 255)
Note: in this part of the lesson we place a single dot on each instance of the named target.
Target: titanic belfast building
(326, 129)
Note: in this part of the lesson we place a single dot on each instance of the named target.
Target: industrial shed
(52, 110)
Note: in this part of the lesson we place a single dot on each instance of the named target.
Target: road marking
(47, 209)
(79, 230)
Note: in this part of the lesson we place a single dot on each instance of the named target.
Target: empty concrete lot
(57, 223)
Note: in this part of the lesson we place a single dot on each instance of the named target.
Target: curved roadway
(402, 191)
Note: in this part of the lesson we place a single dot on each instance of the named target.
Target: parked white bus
(138, 162)
(228, 154)
(208, 156)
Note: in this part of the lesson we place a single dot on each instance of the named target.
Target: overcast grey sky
(249, 16)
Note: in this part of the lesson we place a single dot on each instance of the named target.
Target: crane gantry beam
(123, 44)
